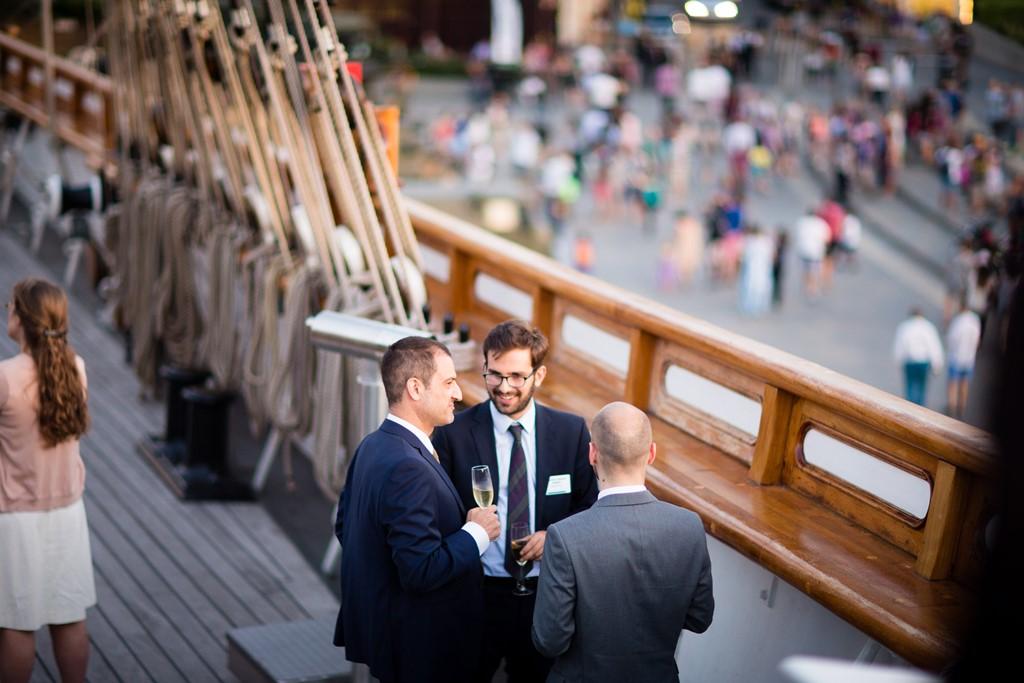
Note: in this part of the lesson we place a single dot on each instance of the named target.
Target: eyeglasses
(516, 381)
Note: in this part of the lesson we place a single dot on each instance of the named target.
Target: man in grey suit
(621, 581)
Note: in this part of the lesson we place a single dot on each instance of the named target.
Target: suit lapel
(483, 438)
(542, 458)
(412, 440)
(429, 457)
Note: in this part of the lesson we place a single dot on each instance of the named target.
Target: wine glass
(483, 487)
(518, 535)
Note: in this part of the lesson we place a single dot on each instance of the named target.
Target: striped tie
(518, 495)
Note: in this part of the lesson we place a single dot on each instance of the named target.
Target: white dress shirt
(615, 490)
(494, 557)
(472, 528)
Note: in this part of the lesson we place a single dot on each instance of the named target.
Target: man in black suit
(410, 564)
(538, 460)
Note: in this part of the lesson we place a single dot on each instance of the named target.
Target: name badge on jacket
(559, 484)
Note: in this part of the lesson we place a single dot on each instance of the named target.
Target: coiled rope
(261, 278)
(223, 322)
(178, 326)
(289, 391)
(279, 366)
(141, 259)
(329, 456)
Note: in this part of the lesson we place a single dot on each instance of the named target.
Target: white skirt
(45, 568)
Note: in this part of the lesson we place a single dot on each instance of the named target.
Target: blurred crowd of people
(865, 140)
(632, 170)
(719, 125)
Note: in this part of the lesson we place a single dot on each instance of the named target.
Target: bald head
(622, 435)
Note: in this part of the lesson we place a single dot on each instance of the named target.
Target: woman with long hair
(46, 575)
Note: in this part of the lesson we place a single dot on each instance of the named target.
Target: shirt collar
(615, 490)
(503, 422)
(424, 439)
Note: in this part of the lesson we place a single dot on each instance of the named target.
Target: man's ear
(592, 454)
(540, 374)
(653, 453)
(414, 387)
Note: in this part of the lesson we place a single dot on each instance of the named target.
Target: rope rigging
(256, 191)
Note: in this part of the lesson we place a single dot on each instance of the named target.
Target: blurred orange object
(388, 120)
(583, 253)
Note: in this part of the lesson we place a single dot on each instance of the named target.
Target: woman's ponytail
(42, 310)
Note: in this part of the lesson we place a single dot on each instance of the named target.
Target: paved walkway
(850, 330)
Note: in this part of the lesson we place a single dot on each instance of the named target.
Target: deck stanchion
(9, 159)
(172, 443)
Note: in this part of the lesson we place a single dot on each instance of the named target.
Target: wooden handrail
(96, 82)
(93, 135)
(952, 441)
(796, 395)
(933, 560)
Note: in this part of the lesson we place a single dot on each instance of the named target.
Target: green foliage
(428, 66)
(1005, 16)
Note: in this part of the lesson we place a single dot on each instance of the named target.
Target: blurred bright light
(696, 8)
(680, 24)
(966, 11)
(500, 214)
(726, 10)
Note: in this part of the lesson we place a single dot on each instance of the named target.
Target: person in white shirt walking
(962, 339)
(850, 242)
(918, 349)
(812, 235)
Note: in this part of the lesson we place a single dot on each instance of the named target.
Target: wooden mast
(51, 110)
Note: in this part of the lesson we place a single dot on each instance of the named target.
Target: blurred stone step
(289, 652)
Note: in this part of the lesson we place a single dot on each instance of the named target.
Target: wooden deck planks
(247, 563)
(111, 658)
(141, 584)
(191, 529)
(308, 596)
(46, 666)
(132, 616)
(172, 578)
(176, 566)
(155, 522)
(41, 673)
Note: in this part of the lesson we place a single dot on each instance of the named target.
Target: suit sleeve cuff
(478, 534)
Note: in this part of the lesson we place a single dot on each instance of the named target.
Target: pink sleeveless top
(32, 476)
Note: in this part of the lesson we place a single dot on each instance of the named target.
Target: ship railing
(872, 505)
(83, 104)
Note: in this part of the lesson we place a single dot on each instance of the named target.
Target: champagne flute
(483, 487)
(518, 535)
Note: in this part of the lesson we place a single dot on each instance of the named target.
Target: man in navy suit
(411, 605)
(538, 459)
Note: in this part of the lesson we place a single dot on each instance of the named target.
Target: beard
(515, 401)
